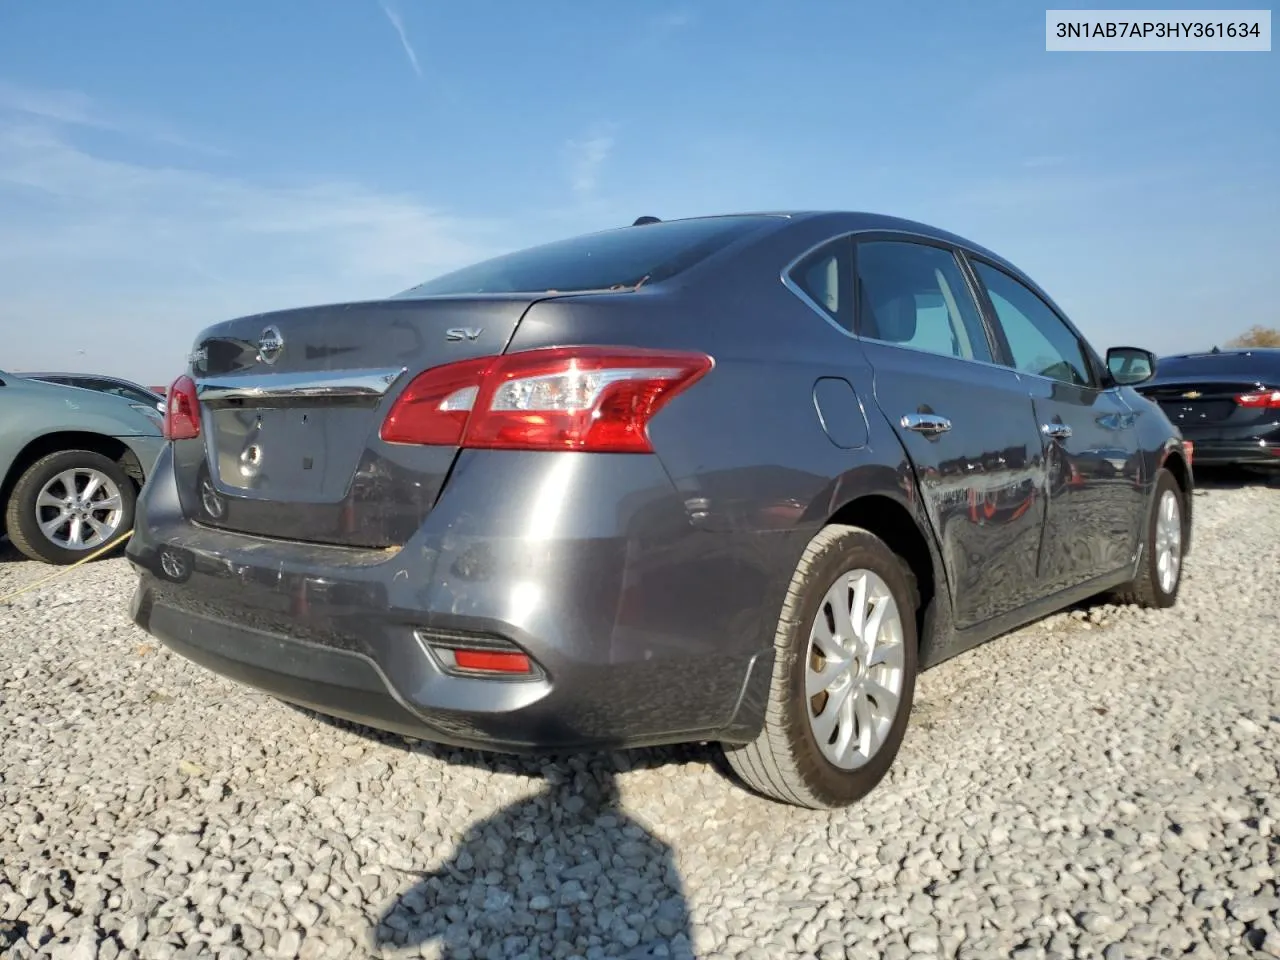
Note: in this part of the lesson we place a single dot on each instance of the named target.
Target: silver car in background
(72, 462)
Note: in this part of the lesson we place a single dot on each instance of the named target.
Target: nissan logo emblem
(270, 345)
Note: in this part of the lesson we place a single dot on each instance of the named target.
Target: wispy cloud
(586, 158)
(152, 251)
(398, 23)
(673, 20)
(73, 108)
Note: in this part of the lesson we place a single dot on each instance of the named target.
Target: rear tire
(829, 749)
(1160, 575)
(40, 484)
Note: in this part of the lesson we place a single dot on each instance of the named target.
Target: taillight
(1189, 448)
(1260, 399)
(594, 399)
(435, 406)
(181, 410)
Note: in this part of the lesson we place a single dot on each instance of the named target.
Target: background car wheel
(844, 675)
(1161, 573)
(69, 504)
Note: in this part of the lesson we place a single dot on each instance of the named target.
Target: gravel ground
(1101, 784)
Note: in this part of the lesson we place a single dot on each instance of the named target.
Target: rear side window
(613, 259)
(132, 394)
(825, 277)
(914, 295)
(1040, 342)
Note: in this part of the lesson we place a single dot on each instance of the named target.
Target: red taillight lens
(181, 410)
(491, 661)
(1189, 448)
(435, 406)
(594, 399)
(1260, 399)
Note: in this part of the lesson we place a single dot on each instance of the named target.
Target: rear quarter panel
(754, 472)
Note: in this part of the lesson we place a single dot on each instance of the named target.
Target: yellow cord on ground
(65, 570)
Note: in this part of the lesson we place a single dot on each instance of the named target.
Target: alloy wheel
(1168, 545)
(854, 675)
(79, 509)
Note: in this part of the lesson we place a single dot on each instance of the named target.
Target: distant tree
(1257, 336)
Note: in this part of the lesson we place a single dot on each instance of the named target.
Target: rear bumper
(1256, 453)
(333, 682)
(646, 630)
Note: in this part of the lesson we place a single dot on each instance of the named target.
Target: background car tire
(1147, 590)
(20, 512)
(785, 761)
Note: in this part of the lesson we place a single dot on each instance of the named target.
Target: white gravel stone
(1100, 784)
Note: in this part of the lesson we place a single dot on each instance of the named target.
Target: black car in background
(1227, 402)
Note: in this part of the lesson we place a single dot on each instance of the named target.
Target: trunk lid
(291, 404)
(1196, 402)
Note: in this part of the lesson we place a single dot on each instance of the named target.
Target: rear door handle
(925, 423)
(1055, 431)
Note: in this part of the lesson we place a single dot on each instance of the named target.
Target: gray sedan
(729, 478)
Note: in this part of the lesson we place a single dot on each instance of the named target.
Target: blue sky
(166, 165)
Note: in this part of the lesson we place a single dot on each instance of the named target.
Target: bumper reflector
(491, 661)
(477, 654)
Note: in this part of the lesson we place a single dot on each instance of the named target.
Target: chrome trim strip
(294, 386)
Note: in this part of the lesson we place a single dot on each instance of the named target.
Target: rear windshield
(1250, 364)
(613, 259)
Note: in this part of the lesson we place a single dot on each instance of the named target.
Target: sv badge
(458, 334)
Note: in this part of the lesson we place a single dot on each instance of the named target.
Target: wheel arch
(1176, 464)
(47, 443)
(894, 523)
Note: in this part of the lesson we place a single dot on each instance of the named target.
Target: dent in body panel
(383, 503)
(982, 482)
(593, 553)
(1095, 483)
(767, 477)
(588, 561)
(762, 480)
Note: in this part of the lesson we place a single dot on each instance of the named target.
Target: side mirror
(1130, 366)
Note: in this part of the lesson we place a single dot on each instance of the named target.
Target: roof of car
(866, 221)
(80, 376)
(863, 221)
(1229, 352)
(69, 373)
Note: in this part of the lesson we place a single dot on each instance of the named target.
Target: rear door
(966, 423)
(1089, 434)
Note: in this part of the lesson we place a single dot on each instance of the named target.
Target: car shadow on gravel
(564, 866)
(532, 766)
